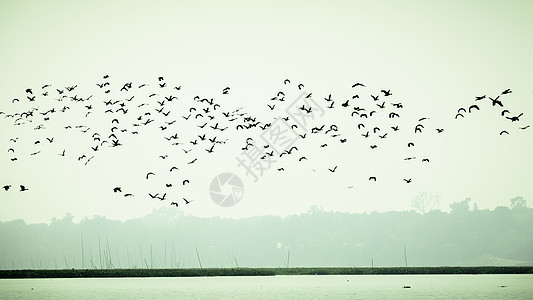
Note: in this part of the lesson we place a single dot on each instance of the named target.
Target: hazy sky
(434, 56)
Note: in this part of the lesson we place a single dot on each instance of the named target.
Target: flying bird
(418, 128)
(496, 101)
(386, 92)
(515, 118)
(472, 107)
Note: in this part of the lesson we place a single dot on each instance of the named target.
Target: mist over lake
(166, 238)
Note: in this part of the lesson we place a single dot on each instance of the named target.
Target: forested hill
(166, 238)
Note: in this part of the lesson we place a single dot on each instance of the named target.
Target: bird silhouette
(495, 101)
(472, 107)
(372, 178)
(386, 92)
(504, 131)
(515, 118)
(117, 189)
(6, 187)
(418, 128)
(23, 188)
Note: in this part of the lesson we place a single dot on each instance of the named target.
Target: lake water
(275, 287)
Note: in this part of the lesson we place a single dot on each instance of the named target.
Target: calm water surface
(276, 287)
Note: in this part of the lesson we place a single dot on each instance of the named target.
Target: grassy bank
(87, 273)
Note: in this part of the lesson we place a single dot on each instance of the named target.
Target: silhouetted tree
(462, 206)
(518, 202)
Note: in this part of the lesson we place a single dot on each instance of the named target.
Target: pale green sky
(435, 56)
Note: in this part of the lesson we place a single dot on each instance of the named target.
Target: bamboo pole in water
(405, 255)
(100, 251)
(172, 258)
(82, 256)
(91, 253)
(288, 257)
(141, 257)
(146, 263)
(118, 257)
(128, 253)
(110, 264)
(198, 256)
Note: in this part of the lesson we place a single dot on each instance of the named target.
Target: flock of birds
(496, 103)
(193, 129)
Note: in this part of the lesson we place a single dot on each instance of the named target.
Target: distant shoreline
(189, 272)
